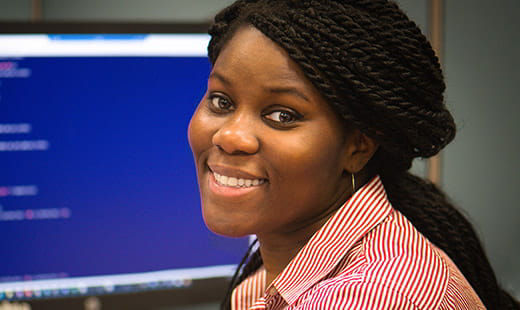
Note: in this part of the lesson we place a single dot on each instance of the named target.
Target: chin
(224, 226)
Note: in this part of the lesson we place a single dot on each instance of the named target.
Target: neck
(278, 251)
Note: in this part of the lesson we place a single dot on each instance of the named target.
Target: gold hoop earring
(353, 183)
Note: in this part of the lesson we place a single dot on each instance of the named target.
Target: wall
(481, 167)
(15, 10)
(115, 10)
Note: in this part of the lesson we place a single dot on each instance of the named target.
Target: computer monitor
(98, 191)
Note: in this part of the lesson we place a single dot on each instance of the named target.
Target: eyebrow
(287, 90)
(274, 90)
(220, 77)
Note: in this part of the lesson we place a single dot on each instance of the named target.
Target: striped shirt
(366, 256)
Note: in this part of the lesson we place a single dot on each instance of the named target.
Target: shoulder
(392, 267)
(399, 257)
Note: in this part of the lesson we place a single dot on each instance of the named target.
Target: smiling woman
(271, 145)
(313, 113)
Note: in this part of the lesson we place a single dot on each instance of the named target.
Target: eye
(283, 117)
(219, 103)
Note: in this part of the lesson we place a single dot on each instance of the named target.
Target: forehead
(249, 53)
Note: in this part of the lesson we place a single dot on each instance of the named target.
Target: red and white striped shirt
(366, 256)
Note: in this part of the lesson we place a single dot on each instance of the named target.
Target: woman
(313, 114)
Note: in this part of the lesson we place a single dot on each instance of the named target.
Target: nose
(237, 136)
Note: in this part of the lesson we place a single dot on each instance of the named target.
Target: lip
(234, 172)
(227, 192)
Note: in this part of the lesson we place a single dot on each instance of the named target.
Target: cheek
(314, 154)
(310, 165)
(199, 132)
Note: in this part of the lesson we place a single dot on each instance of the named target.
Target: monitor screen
(98, 191)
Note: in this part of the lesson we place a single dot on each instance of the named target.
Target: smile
(236, 182)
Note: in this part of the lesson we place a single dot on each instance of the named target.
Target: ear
(359, 149)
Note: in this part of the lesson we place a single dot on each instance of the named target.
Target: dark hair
(378, 71)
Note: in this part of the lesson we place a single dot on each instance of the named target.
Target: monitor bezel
(63, 27)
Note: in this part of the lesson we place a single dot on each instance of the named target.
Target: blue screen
(96, 174)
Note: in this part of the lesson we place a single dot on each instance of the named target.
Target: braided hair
(378, 71)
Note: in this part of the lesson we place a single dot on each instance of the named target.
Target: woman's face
(269, 151)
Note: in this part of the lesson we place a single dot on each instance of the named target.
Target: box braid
(378, 71)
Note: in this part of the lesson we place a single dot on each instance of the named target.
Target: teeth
(223, 179)
(237, 182)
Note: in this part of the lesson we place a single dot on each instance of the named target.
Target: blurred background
(480, 45)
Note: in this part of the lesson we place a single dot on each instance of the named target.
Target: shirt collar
(363, 211)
